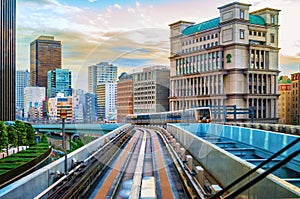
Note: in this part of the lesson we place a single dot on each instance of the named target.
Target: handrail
(256, 168)
(262, 176)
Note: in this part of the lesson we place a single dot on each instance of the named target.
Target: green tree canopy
(3, 136)
(21, 132)
(30, 135)
(12, 135)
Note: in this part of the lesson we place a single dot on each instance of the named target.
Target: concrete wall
(33, 184)
(226, 167)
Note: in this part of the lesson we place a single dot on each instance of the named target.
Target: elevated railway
(140, 163)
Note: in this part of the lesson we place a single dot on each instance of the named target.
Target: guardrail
(33, 184)
(281, 128)
(226, 167)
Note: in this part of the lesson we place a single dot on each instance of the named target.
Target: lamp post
(63, 116)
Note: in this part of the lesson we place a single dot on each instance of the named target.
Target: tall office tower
(59, 81)
(151, 90)
(33, 102)
(7, 60)
(102, 72)
(106, 94)
(296, 98)
(124, 96)
(228, 60)
(285, 100)
(45, 55)
(22, 81)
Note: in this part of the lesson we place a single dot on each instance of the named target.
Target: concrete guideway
(203, 148)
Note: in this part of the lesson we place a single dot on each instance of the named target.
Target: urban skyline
(94, 31)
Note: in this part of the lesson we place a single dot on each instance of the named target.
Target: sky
(132, 34)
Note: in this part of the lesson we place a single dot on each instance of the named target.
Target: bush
(6, 166)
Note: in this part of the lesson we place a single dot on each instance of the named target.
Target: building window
(242, 14)
(272, 38)
(242, 34)
(272, 19)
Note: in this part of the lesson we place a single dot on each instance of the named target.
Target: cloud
(289, 64)
(117, 6)
(92, 1)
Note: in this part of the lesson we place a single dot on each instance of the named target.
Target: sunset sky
(131, 34)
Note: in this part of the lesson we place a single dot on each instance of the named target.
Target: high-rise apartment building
(22, 81)
(285, 100)
(45, 55)
(151, 90)
(296, 98)
(7, 60)
(59, 81)
(228, 60)
(124, 96)
(100, 73)
(106, 94)
(33, 102)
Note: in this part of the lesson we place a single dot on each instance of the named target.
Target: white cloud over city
(84, 26)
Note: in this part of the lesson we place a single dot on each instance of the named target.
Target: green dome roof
(257, 20)
(214, 23)
(288, 81)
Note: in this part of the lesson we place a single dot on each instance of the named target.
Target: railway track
(139, 163)
(79, 180)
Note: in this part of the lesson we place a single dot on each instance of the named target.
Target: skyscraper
(59, 81)
(45, 55)
(100, 73)
(7, 59)
(22, 81)
(106, 94)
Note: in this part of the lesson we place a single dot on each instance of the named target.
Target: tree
(12, 136)
(30, 135)
(3, 136)
(21, 133)
(44, 138)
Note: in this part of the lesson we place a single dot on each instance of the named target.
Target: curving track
(135, 164)
(149, 160)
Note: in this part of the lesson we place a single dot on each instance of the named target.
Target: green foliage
(21, 133)
(44, 138)
(12, 136)
(8, 166)
(22, 157)
(76, 144)
(30, 134)
(3, 136)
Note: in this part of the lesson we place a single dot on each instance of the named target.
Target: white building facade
(100, 73)
(229, 60)
(151, 90)
(33, 102)
(106, 94)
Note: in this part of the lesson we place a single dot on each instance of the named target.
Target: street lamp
(63, 116)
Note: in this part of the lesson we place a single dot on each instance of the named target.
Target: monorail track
(135, 164)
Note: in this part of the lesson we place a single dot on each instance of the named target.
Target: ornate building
(228, 60)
